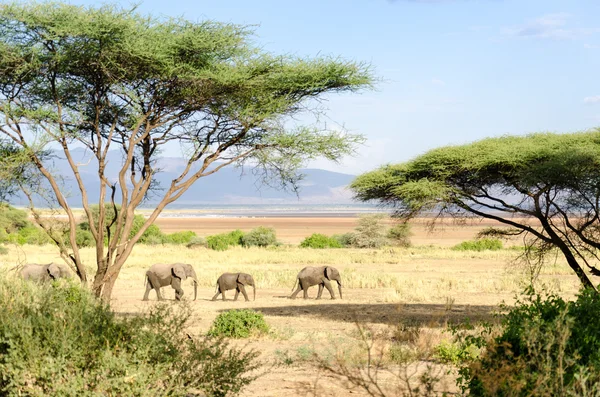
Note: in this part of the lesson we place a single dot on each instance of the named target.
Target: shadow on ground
(430, 315)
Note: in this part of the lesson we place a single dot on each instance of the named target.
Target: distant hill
(227, 186)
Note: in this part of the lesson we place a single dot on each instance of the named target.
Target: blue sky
(452, 71)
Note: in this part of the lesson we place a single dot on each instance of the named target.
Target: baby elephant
(320, 276)
(161, 275)
(48, 272)
(235, 281)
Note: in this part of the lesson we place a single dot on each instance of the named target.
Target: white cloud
(591, 99)
(438, 82)
(550, 26)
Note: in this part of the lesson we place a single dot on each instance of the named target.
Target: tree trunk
(107, 287)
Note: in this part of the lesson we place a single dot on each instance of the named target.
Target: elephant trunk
(340, 289)
(195, 287)
(253, 292)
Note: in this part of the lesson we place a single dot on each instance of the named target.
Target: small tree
(370, 232)
(106, 78)
(548, 179)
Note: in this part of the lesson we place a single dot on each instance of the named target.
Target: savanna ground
(425, 287)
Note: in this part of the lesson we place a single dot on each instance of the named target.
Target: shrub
(317, 240)
(370, 232)
(484, 244)
(260, 237)
(12, 219)
(346, 239)
(84, 238)
(221, 242)
(197, 242)
(456, 353)
(400, 234)
(29, 234)
(183, 237)
(546, 346)
(238, 324)
(58, 340)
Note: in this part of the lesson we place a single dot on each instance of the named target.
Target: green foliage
(183, 237)
(196, 242)
(346, 239)
(318, 240)
(370, 232)
(59, 340)
(547, 346)
(400, 234)
(12, 219)
(29, 234)
(221, 242)
(456, 353)
(484, 244)
(238, 324)
(260, 237)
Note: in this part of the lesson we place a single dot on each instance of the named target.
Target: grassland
(408, 290)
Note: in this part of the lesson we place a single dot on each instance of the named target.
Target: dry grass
(423, 285)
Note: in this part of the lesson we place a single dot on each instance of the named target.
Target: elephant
(51, 271)
(161, 275)
(237, 281)
(322, 276)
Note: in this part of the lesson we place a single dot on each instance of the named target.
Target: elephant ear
(243, 279)
(53, 271)
(179, 271)
(329, 272)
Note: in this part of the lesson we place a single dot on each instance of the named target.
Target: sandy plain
(426, 286)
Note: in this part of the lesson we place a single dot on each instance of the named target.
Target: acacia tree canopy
(552, 178)
(108, 78)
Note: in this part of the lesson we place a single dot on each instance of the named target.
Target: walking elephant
(161, 275)
(236, 281)
(321, 276)
(51, 271)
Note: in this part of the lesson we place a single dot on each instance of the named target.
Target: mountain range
(229, 185)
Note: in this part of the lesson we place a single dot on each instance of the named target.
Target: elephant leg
(243, 289)
(153, 283)
(214, 298)
(320, 291)
(237, 292)
(176, 284)
(148, 289)
(305, 290)
(293, 296)
(328, 286)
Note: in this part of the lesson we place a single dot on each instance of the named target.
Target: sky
(449, 71)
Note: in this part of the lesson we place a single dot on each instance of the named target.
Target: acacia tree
(106, 78)
(550, 178)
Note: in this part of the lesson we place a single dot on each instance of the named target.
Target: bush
(183, 237)
(370, 232)
(197, 242)
(346, 239)
(546, 346)
(317, 240)
(238, 324)
(484, 244)
(58, 340)
(400, 234)
(221, 242)
(12, 219)
(260, 237)
(29, 234)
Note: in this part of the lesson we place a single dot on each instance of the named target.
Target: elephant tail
(294, 287)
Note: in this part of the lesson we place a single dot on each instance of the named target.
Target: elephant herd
(162, 275)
